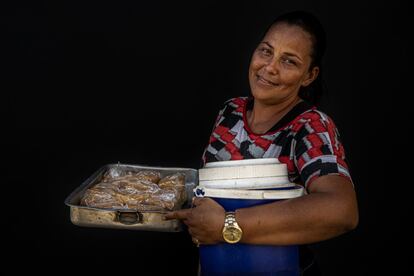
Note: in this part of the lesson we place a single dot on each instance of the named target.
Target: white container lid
(297, 191)
(245, 171)
(248, 183)
(244, 162)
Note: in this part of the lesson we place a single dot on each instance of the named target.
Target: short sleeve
(212, 138)
(318, 149)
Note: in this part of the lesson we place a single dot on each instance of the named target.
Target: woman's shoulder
(314, 113)
(234, 104)
(236, 101)
(315, 119)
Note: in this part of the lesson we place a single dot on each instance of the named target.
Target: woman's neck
(263, 117)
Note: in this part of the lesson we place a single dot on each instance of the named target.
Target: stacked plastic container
(239, 184)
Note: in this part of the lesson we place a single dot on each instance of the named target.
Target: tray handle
(129, 217)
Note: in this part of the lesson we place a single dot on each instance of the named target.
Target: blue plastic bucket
(248, 259)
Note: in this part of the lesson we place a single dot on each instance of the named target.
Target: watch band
(230, 219)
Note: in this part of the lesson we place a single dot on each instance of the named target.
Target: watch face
(232, 234)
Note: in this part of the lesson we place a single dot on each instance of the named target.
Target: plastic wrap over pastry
(101, 198)
(112, 173)
(143, 190)
(116, 173)
(172, 180)
(132, 185)
(175, 182)
(152, 176)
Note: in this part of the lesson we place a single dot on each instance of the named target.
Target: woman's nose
(272, 67)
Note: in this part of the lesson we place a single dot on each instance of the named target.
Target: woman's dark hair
(310, 24)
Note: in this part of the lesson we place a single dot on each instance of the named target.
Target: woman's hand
(205, 220)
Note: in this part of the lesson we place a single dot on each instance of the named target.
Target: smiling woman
(280, 65)
(281, 121)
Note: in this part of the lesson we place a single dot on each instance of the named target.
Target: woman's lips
(265, 82)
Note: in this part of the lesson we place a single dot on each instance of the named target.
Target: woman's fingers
(180, 214)
(198, 200)
(205, 220)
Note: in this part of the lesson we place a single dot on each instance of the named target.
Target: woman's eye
(265, 51)
(288, 61)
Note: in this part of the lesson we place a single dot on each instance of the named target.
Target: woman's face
(280, 64)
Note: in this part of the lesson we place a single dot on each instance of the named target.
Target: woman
(279, 120)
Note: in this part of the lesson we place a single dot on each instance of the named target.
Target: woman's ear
(311, 76)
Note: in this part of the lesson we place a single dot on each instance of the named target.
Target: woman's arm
(329, 210)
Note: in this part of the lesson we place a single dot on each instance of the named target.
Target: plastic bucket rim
(243, 162)
(296, 191)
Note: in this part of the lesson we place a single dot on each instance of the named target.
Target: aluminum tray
(127, 219)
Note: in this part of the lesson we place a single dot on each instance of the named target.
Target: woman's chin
(263, 95)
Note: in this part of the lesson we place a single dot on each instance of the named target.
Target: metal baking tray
(128, 219)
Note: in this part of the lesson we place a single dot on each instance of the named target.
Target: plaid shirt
(305, 139)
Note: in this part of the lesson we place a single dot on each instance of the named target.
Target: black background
(87, 83)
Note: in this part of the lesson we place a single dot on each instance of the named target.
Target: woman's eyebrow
(267, 43)
(292, 55)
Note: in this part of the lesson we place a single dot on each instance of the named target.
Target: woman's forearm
(328, 211)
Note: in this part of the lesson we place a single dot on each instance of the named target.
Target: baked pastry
(152, 176)
(142, 190)
(116, 173)
(175, 182)
(132, 185)
(172, 180)
(101, 198)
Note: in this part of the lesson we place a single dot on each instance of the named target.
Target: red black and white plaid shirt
(305, 139)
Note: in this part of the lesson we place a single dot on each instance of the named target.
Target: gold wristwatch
(232, 233)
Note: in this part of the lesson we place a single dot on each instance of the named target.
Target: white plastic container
(248, 183)
(244, 162)
(265, 173)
